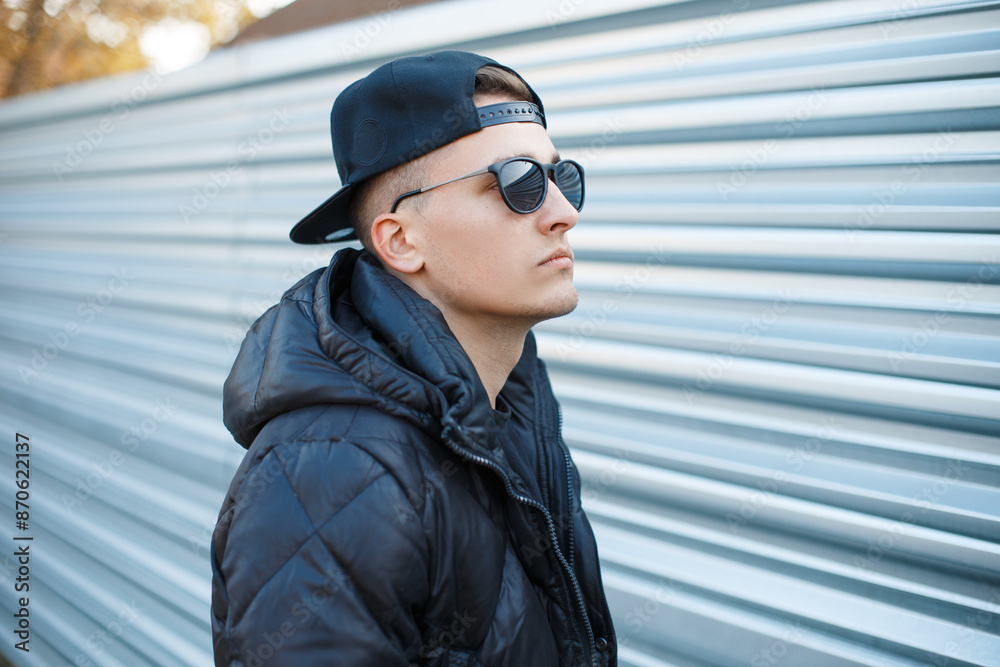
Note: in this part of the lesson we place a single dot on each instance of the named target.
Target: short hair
(372, 197)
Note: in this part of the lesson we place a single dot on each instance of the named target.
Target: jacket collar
(354, 334)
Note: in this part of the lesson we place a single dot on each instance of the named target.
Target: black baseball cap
(402, 110)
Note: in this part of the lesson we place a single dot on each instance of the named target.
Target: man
(407, 498)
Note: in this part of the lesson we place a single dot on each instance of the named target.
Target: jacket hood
(354, 334)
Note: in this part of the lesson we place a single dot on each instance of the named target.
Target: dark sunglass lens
(523, 183)
(570, 181)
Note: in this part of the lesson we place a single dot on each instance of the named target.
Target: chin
(560, 304)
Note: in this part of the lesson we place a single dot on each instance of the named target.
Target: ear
(389, 239)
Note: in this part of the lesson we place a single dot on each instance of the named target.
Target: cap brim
(330, 222)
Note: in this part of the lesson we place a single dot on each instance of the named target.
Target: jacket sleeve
(320, 557)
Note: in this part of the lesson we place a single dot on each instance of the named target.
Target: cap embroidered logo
(369, 142)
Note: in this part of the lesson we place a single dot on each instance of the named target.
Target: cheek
(458, 258)
(475, 233)
(476, 244)
(466, 251)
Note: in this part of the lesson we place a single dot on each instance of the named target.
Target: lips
(561, 258)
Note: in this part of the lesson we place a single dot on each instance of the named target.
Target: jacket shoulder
(328, 456)
(308, 508)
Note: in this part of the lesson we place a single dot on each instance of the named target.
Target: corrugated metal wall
(781, 383)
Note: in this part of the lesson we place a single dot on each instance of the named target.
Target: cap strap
(509, 112)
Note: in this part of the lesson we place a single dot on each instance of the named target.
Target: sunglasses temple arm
(402, 197)
(431, 187)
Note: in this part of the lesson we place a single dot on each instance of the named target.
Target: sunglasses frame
(547, 168)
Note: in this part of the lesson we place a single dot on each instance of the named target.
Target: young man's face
(482, 259)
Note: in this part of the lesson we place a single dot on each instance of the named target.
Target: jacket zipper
(594, 661)
(592, 645)
(572, 546)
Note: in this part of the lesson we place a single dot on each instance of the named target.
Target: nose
(557, 214)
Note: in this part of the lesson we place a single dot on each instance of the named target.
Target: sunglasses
(523, 183)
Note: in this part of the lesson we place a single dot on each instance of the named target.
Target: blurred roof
(307, 14)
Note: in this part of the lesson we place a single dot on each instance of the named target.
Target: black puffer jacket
(385, 514)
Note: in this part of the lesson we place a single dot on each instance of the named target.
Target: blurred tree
(46, 43)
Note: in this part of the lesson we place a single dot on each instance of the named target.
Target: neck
(494, 345)
(493, 348)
